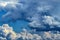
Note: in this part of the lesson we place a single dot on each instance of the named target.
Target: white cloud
(51, 21)
(6, 30)
(44, 22)
(4, 3)
(1, 38)
(35, 21)
(7, 33)
(10, 34)
(48, 19)
(44, 8)
(7, 0)
(25, 35)
(29, 12)
(35, 24)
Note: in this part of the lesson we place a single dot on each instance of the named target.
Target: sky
(30, 19)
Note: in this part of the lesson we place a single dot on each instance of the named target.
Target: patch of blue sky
(19, 25)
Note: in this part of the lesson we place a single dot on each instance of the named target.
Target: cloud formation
(7, 33)
(37, 12)
(16, 10)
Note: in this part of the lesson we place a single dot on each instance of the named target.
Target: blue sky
(17, 25)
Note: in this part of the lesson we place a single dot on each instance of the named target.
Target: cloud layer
(40, 15)
(16, 10)
(7, 33)
(38, 12)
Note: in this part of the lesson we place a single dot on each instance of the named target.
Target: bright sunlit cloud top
(4, 3)
(8, 0)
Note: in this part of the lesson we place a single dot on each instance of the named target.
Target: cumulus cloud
(7, 33)
(50, 20)
(44, 22)
(38, 12)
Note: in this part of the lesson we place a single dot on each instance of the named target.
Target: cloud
(7, 0)
(50, 20)
(38, 12)
(25, 9)
(33, 11)
(45, 23)
(7, 33)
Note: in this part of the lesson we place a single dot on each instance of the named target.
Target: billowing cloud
(41, 23)
(25, 9)
(37, 12)
(7, 33)
(50, 20)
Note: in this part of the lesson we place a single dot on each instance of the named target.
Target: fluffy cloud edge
(7, 33)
